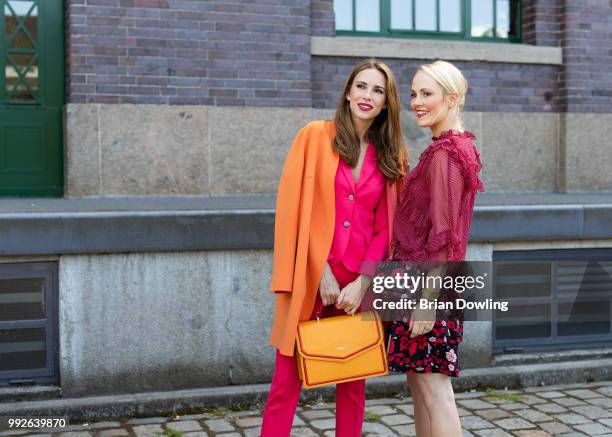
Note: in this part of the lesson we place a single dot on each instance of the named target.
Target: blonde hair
(449, 78)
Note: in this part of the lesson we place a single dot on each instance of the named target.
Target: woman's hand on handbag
(422, 321)
(329, 288)
(351, 296)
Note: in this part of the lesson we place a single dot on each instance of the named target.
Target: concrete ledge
(362, 47)
(156, 403)
(151, 224)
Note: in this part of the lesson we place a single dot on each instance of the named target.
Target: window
(557, 299)
(28, 323)
(488, 20)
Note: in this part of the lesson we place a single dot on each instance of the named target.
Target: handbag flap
(339, 338)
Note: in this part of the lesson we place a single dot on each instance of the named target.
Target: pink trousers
(286, 386)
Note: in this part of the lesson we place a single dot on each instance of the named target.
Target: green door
(31, 98)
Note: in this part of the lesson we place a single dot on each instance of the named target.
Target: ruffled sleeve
(446, 181)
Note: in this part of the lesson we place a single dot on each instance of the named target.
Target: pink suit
(361, 239)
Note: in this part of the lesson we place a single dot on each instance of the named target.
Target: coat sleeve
(286, 222)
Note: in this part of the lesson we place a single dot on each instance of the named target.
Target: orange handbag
(341, 349)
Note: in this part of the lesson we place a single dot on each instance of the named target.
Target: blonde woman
(432, 224)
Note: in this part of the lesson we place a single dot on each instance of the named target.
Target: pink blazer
(361, 229)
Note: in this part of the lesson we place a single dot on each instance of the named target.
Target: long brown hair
(385, 132)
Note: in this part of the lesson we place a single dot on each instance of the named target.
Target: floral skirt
(434, 352)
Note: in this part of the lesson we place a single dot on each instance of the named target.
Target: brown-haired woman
(336, 202)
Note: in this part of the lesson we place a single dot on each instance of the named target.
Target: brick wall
(257, 53)
(587, 55)
(541, 22)
(322, 18)
(213, 52)
(493, 86)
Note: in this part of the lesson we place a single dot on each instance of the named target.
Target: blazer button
(351, 197)
(346, 223)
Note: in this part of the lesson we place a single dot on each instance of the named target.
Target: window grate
(558, 299)
(28, 322)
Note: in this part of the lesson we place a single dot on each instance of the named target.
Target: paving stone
(601, 402)
(607, 391)
(198, 416)
(219, 425)
(12, 433)
(583, 394)
(146, 420)
(463, 412)
(406, 408)
(554, 427)
(184, 426)
(323, 423)
(467, 433)
(551, 394)
(514, 423)
(205, 434)
(493, 414)
(607, 422)
(298, 422)
(475, 422)
(571, 418)
(593, 428)
(248, 422)
(475, 404)
(41, 435)
(78, 434)
(513, 406)
(572, 434)
(377, 429)
(492, 433)
(74, 427)
(225, 434)
(469, 395)
(381, 409)
(532, 433)
(119, 432)
(252, 432)
(592, 412)
(303, 432)
(147, 430)
(569, 402)
(550, 408)
(102, 425)
(388, 401)
(396, 419)
(317, 414)
(323, 405)
(533, 415)
(406, 430)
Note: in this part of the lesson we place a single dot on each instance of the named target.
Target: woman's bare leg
(436, 393)
(421, 418)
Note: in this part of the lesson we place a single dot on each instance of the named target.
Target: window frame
(464, 35)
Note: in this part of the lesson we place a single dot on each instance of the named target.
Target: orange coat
(304, 228)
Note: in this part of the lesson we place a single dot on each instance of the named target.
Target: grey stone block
(82, 150)
(587, 154)
(519, 151)
(154, 149)
(249, 147)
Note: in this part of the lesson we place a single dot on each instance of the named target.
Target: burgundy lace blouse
(435, 209)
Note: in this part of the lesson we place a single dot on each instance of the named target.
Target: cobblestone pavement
(564, 410)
